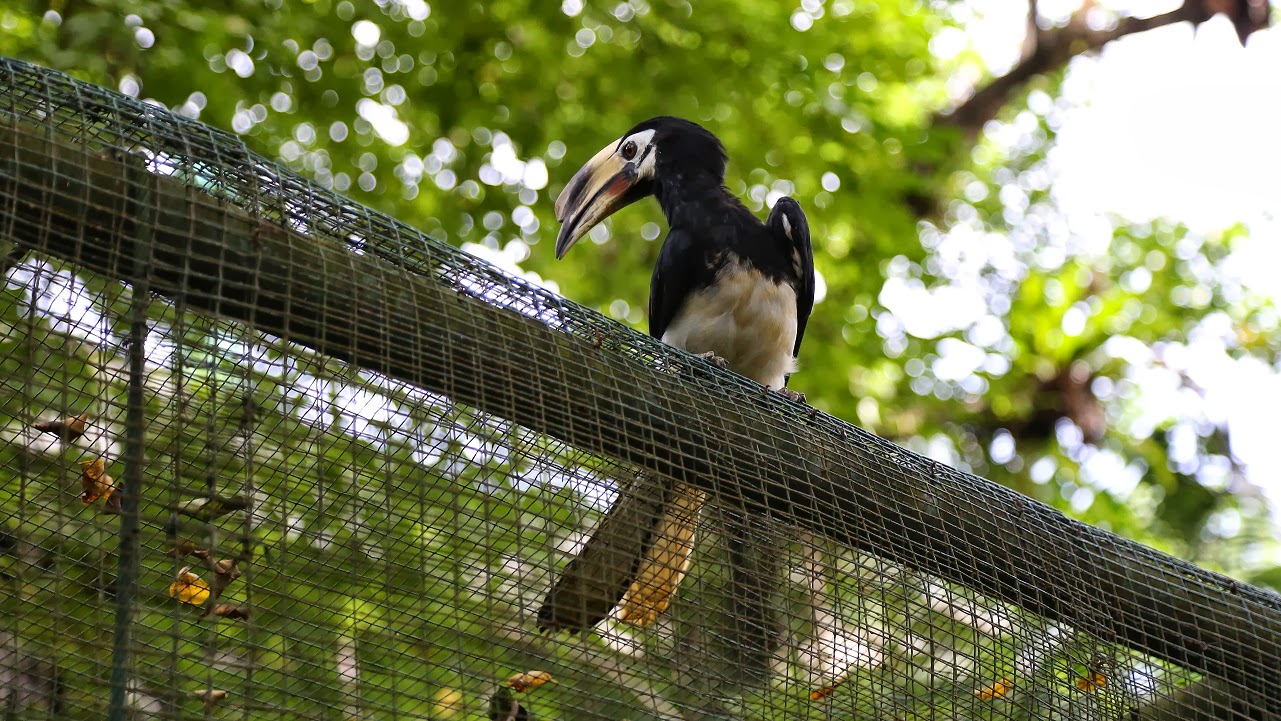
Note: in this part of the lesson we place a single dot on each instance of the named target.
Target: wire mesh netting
(270, 454)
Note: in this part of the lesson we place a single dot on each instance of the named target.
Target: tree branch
(1048, 50)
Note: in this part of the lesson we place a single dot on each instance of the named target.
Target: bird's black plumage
(709, 227)
(790, 229)
(725, 283)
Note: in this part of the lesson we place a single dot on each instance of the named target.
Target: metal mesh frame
(410, 444)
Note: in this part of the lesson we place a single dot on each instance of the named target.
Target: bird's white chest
(745, 318)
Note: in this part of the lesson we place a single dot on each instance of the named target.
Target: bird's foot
(715, 360)
(791, 395)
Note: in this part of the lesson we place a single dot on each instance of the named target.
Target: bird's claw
(791, 395)
(715, 360)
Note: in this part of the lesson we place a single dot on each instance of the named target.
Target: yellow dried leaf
(1091, 681)
(212, 694)
(189, 588)
(94, 481)
(819, 694)
(529, 680)
(823, 692)
(996, 690)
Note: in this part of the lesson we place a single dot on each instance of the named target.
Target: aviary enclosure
(269, 454)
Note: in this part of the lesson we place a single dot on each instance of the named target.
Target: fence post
(138, 196)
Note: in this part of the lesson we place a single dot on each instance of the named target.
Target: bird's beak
(600, 188)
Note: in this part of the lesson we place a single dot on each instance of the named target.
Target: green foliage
(393, 550)
(473, 83)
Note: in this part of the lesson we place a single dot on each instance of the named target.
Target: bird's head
(662, 150)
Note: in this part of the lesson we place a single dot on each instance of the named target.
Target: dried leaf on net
(1091, 681)
(1094, 675)
(529, 680)
(209, 508)
(181, 547)
(189, 588)
(823, 692)
(224, 571)
(994, 691)
(66, 429)
(96, 484)
(231, 612)
(211, 697)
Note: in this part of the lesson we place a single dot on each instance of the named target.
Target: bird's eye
(629, 150)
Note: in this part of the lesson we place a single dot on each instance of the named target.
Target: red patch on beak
(620, 183)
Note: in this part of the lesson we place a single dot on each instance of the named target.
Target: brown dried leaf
(66, 429)
(211, 697)
(231, 611)
(95, 483)
(819, 694)
(225, 572)
(823, 692)
(227, 567)
(182, 547)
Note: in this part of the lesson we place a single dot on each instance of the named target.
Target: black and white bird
(726, 286)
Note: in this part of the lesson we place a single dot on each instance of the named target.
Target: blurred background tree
(961, 314)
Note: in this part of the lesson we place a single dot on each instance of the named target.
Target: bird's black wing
(680, 270)
(598, 577)
(788, 225)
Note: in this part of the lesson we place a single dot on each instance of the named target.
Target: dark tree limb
(1048, 50)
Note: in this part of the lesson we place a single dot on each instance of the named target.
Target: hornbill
(726, 286)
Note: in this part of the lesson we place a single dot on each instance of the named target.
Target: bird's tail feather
(639, 555)
(667, 560)
(592, 584)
